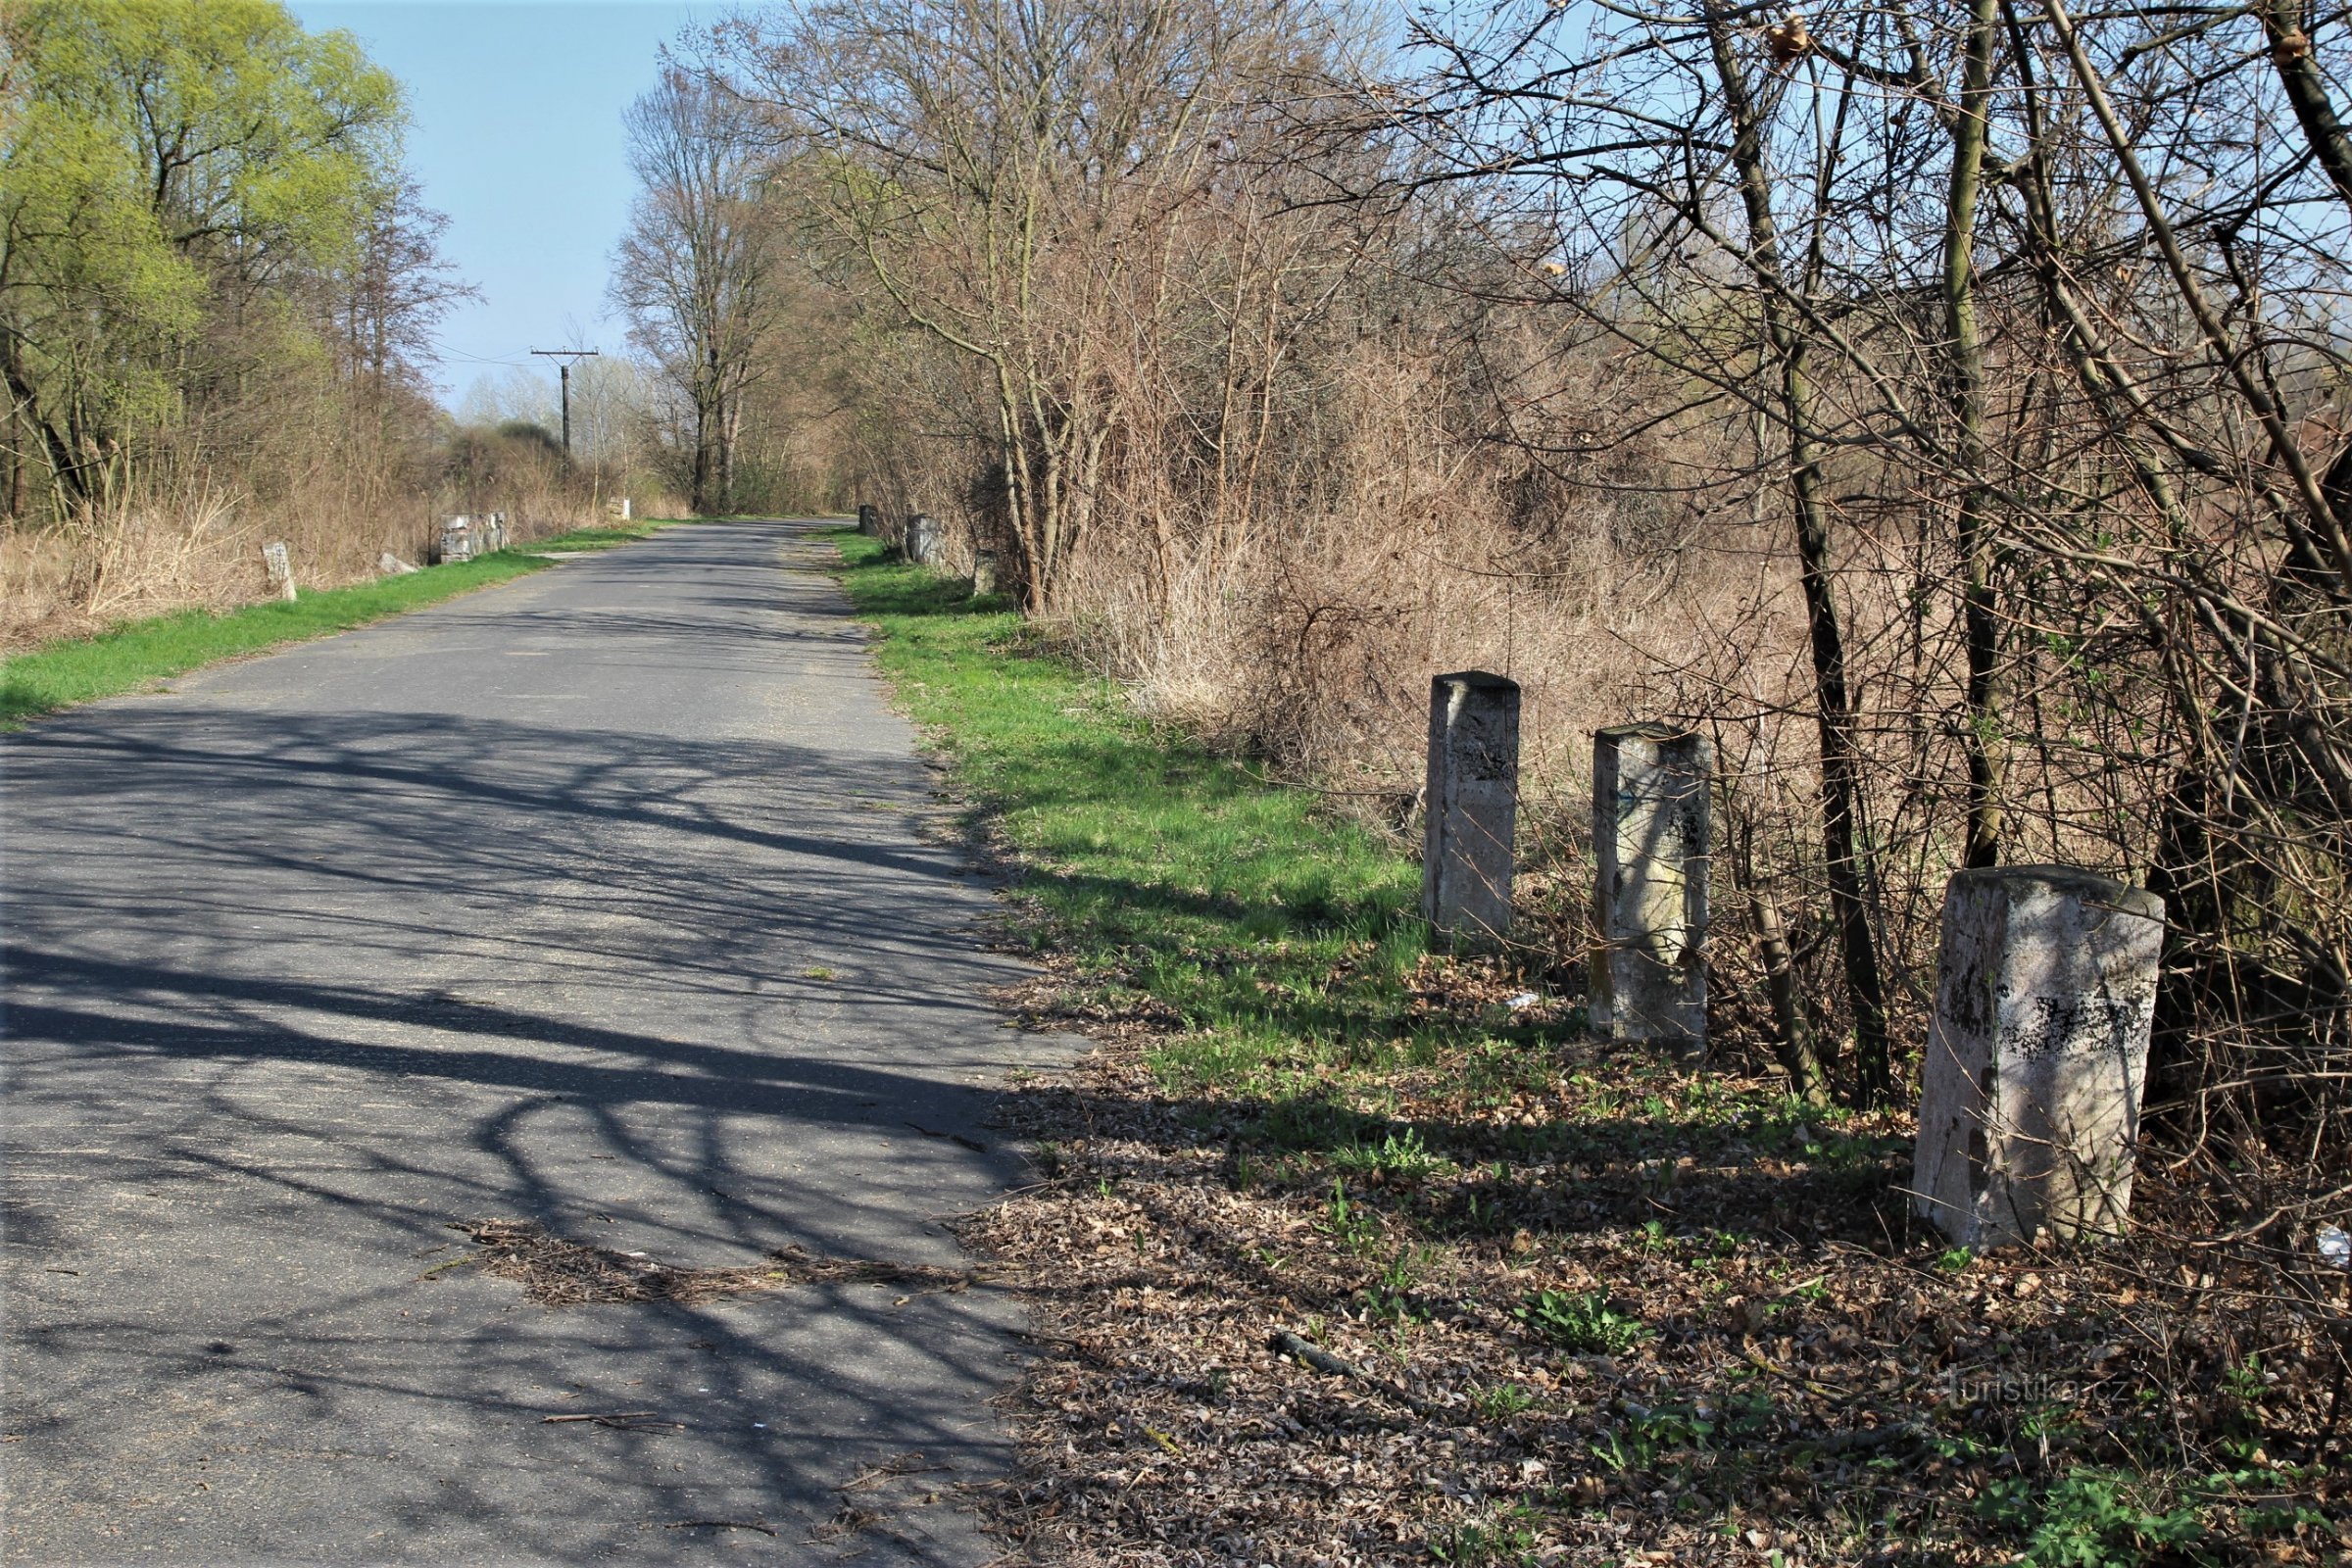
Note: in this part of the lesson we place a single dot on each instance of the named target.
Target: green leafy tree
(172, 170)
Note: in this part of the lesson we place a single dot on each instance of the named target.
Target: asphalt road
(603, 900)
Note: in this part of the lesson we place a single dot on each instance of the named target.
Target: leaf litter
(1582, 1307)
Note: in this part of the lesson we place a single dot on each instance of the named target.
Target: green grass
(1279, 937)
(135, 654)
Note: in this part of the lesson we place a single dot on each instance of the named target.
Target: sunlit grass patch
(1163, 869)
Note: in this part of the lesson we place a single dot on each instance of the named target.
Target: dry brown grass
(196, 544)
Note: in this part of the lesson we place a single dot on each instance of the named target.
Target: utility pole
(563, 377)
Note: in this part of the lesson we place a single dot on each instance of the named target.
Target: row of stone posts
(922, 539)
(925, 540)
(2045, 983)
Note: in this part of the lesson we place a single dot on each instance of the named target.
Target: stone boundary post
(2046, 987)
(869, 519)
(281, 564)
(1651, 836)
(457, 538)
(1472, 809)
(984, 574)
(924, 539)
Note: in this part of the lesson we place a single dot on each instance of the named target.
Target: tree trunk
(1845, 867)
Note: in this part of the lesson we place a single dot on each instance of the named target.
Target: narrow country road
(601, 900)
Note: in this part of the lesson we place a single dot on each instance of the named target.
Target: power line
(564, 376)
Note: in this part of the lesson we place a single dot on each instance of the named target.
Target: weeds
(1499, 1401)
(1582, 1324)
(2086, 1519)
(1497, 1537)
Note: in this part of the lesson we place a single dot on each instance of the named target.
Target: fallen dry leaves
(1747, 1352)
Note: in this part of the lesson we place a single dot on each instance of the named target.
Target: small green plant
(1582, 1324)
(1499, 1536)
(1621, 1452)
(1748, 1414)
(2281, 1520)
(1390, 1297)
(817, 973)
(1814, 1290)
(1408, 1269)
(2086, 1519)
(1393, 1308)
(1499, 1401)
(1954, 1260)
(1347, 1222)
(1397, 1156)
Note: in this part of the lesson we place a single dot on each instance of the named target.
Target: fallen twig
(974, 1145)
(623, 1420)
(901, 1464)
(1322, 1360)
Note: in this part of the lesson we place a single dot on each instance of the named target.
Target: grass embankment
(1553, 1299)
(82, 670)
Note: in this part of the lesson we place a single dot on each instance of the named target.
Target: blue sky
(515, 134)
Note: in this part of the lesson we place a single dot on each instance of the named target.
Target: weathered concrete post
(2046, 987)
(629, 509)
(280, 563)
(1472, 809)
(457, 538)
(984, 574)
(869, 519)
(922, 539)
(1651, 834)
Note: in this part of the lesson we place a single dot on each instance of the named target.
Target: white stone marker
(2030, 1095)
(280, 563)
(922, 539)
(1472, 809)
(457, 538)
(1651, 834)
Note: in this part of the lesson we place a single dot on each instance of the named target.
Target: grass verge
(83, 669)
(1348, 1255)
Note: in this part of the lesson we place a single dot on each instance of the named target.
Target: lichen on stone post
(1472, 809)
(2037, 1052)
(1651, 838)
(279, 562)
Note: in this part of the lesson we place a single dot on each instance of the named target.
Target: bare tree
(695, 273)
